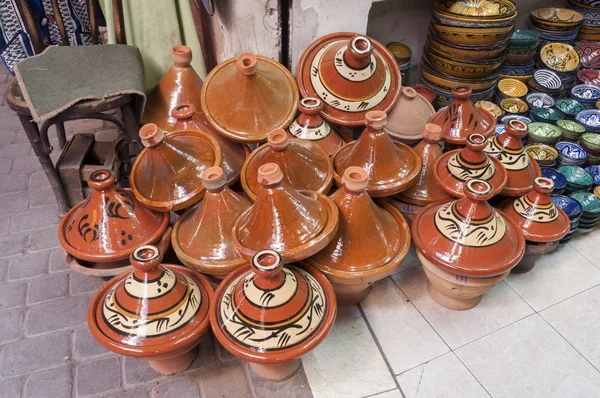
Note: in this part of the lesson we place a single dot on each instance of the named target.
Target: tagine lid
(268, 312)
(248, 96)
(455, 168)
(153, 310)
(461, 118)
(536, 215)
(305, 165)
(457, 235)
(166, 174)
(352, 74)
(409, 116)
(110, 223)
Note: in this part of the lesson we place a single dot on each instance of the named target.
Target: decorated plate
(559, 57)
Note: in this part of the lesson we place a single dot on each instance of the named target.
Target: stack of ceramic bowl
(560, 182)
(589, 56)
(588, 76)
(570, 154)
(563, 60)
(577, 179)
(510, 95)
(539, 100)
(546, 115)
(569, 107)
(555, 24)
(547, 82)
(590, 26)
(591, 211)
(591, 143)
(519, 61)
(586, 94)
(571, 130)
(543, 133)
(594, 172)
(573, 209)
(402, 53)
(544, 155)
(590, 119)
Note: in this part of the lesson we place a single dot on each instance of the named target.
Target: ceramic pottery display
(305, 165)
(591, 211)
(508, 149)
(453, 239)
(158, 312)
(408, 118)
(590, 119)
(246, 97)
(202, 236)
(559, 181)
(271, 315)
(577, 178)
(570, 130)
(514, 106)
(392, 166)
(544, 155)
(352, 74)
(166, 174)
(491, 108)
(572, 209)
(296, 224)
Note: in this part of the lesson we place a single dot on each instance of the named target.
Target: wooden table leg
(61, 134)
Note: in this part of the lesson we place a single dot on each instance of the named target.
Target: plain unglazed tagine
(158, 312)
(295, 223)
(391, 166)
(407, 120)
(371, 242)
(271, 315)
(466, 246)
(166, 174)
(352, 74)
(202, 236)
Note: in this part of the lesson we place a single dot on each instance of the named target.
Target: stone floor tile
(206, 354)
(38, 179)
(12, 294)
(83, 284)
(13, 183)
(294, 387)
(22, 136)
(95, 377)
(138, 371)
(213, 384)
(407, 340)
(43, 239)
(11, 325)
(182, 387)
(35, 219)
(108, 135)
(55, 383)
(28, 265)
(3, 268)
(5, 166)
(222, 354)
(11, 123)
(26, 164)
(395, 393)
(13, 202)
(57, 263)
(139, 393)
(4, 225)
(41, 197)
(10, 388)
(15, 151)
(85, 345)
(48, 287)
(34, 354)
(57, 315)
(7, 136)
(13, 244)
(411, 260)
(587, 245)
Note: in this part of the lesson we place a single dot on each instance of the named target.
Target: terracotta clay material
(407, 120)
(246, 97)
(166, 174)
(392, 166)
(352, 74)
(533, 251)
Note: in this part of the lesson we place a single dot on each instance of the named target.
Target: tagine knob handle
(543, 185)
(247, 64)
(151, 135)
(146, 258)
(269, 174)
(355, 179)
(516, 128)
(476, 142)
(101, 179)
(181, 55)
(267, 264)
(375, 120)
(478, 190)
(214, 179)
(432, 133)
(278, 140)
(183, 111)
(461, 92)
(310, 106)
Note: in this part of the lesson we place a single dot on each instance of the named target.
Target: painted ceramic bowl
(570, 151)
(589, 76)
(547, 79)
(553, 18)
(490, 107)
(512, 88)
(559, 57)
(586, 93)
(577, 178)
(476, 12)
(598, 104)
(590, 119)
(542, 153)
(401, 52)
(589, 54)
(590, 204)
(490, 51)
(560, 182)
(591, 140)
(546, 115)
(570, 129)
(545, 133)
(597, 191)
(514, 105)
(461, 68)
(522, 119)
(523, 38)
(539, 100)
(431, 75)
(569, 106)
(523, 69)
(595, 172)
(472, 36)
(518, 58)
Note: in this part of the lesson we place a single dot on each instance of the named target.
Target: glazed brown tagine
(520, 167)
(305, 165)
(370, 244)
(406, 121)
(392, 166)
(352, 74)
(234, 153)
(271, 315)
(158, 312)
(542, 223)
(455, 168)
(202, 236)
(295, 223)
(461, 118)
(166, 174)
(180, 85)
(466, 246)
(246, 97)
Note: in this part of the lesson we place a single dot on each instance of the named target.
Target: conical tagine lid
(352, 74)
(520, 167)
(455, 168)
(269, 313)
(202, 236)
(110, 223)
(392, 166)
(247, 97)
(467, 236)
(166, 174)
(296, 224)
(536, 215)
(305, 165)
(409, 116)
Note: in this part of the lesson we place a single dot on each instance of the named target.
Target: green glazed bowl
(544, 132)
(546, 115)
(570, 129)
(591, 140)
(576, 176)
(569, 106)
(523, 38)
(589, 201)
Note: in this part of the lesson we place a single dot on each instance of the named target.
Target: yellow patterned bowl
(448, 83)
(544, 154)
(461, 68)
(490, 107)
(479, 8)
(559, 57)
(553, 18)
(512, 88)
(597, 191)
(476, 10)
(523, 78)
(514, 106)
(472, 36)
(474, 54)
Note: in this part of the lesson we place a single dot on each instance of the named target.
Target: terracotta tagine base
(177, 364)
(533, 251)
(276, 372)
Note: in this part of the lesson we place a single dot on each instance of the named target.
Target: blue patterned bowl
(539, 100)
(595, 172)
(569, 106)
(586, 93)
(570, 150)
(560, 182)
(590, 119)
(570, 206)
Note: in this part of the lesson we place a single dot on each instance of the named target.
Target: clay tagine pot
(166, 174)
(305, 165)
(542, 223)
(158, 312)
(370, 244)
(246, 97)
(202, 236)
(520, 167)
(461, 118)
(352, 74)
(296, 224)
(234, 153)
(407, 120)
(466, 246)
(392, 166)
(455, 168)
(180, 85)
(271, 315)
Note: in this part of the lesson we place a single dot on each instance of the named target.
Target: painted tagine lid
(455, 168)
(234, 154)
(520, 167)
(268, 313)
(461, 118)
(246, 97)
(457, 235)
(180, 85)
(305, 165)
(352, 74)
(408, 118)
(201, 237)
(154, 310)
(166, 174)
(110, 223)
(296, 224)
(536, 215)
